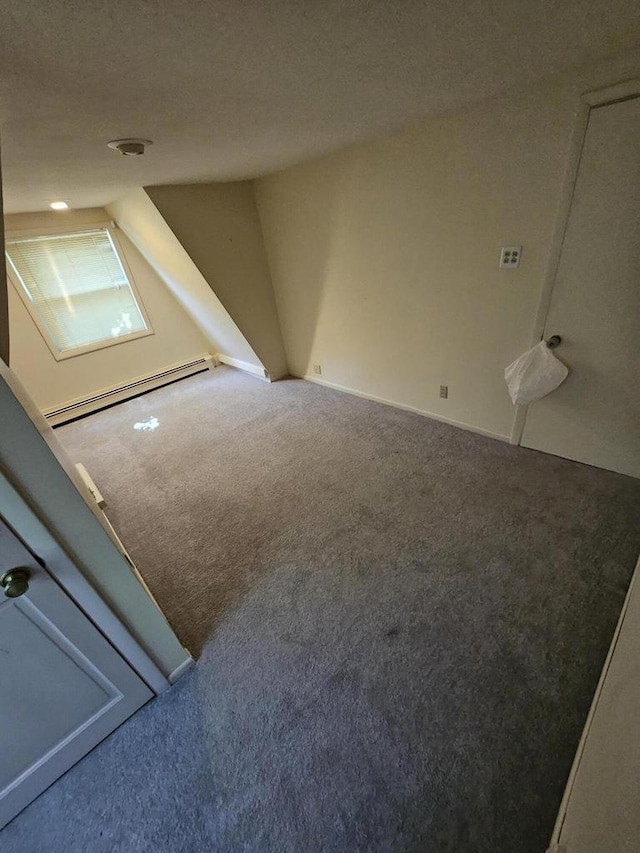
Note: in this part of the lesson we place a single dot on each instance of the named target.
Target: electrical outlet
(317, 369)
(444, 392)
(510, 257)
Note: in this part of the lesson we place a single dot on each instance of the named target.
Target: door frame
(19, 517)
(556, 836)
(51, 511)
(622, 91)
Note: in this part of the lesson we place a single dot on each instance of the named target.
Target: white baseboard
(117, 393)
(180, 670)
(396, 405)
(254, 369)
(87, 479)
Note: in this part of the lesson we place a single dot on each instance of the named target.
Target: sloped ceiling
(231, 89)
(139, 218)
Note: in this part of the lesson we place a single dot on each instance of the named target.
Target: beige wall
(139, 218)
(52, 383)
(218, 225)
(384, 257)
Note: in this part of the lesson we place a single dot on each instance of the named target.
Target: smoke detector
(130, 147)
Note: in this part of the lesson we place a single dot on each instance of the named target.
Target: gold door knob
(15, 582)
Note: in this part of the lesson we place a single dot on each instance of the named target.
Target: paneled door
(63, 687)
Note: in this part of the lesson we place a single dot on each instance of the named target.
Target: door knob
(554, 341)
(15, 582)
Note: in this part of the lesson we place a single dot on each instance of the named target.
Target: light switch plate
(510, 257)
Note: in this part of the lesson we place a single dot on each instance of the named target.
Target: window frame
(50, 231)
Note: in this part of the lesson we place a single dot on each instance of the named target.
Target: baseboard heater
(108, 396)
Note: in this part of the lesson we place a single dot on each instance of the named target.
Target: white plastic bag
(534, 374)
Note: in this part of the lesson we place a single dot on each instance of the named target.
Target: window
(77, 291)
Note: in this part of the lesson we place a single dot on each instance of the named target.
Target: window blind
(77, 287)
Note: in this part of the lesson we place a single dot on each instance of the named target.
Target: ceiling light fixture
(59, 205)
(129, 147)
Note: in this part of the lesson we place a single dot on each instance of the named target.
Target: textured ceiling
(232, 89)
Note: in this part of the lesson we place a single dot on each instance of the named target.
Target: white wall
(384, 257)
(218, 225)
(53, 383)
(139, 218)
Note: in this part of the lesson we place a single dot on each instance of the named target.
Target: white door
(63, 687)
(594, 417)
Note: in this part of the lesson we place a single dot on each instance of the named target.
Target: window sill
(99, 345)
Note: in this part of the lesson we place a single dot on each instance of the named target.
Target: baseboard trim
(180, 670)
(253, 369)
(426, 414)
(87, 479)
(133, 387)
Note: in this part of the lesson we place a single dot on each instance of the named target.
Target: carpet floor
(400, 627)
